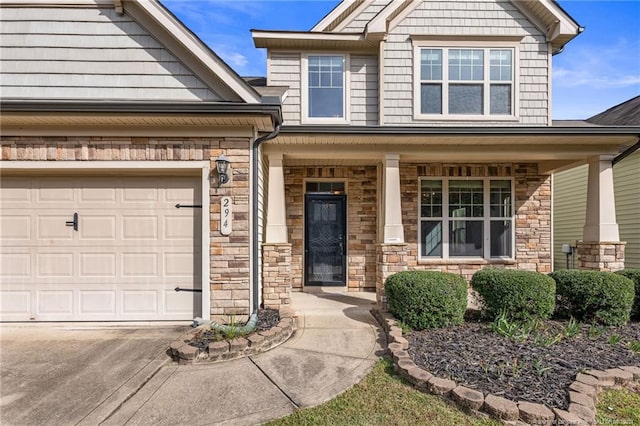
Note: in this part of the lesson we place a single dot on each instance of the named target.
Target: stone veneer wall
(532, 215)
(276, 275)
(601, 256)
(230, 267)
(361, 222)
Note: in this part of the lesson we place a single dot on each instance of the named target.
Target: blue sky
(597, 70)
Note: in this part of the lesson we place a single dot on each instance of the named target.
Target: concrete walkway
(335, 346)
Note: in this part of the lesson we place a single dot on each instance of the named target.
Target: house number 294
(226, 220)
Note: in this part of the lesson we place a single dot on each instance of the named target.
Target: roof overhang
(312, 40)
(135, 118)
(552, 148)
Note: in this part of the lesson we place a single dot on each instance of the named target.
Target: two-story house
(418, 135)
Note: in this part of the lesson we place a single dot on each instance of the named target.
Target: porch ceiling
(552, 151)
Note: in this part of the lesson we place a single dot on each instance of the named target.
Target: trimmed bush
(598, 296)
(520, 295)
(633, 275)
(427, 299)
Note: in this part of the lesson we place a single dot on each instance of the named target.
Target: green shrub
(427, 299)
(517, 294)
(634, 275)
(603, 297)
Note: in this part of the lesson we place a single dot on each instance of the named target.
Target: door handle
(73, 222)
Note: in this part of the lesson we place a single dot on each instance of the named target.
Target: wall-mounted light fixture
(222, 166)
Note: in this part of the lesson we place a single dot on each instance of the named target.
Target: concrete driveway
(68, 374)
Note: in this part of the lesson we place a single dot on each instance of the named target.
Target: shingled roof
(624, 114)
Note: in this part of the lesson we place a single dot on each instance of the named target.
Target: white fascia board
(262, 38)
(180, 34)
(379, 24)
(333, 15)
(563, 24)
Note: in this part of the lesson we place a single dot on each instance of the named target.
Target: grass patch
(618, 406)
(382, 398)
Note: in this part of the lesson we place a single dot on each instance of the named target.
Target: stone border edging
(183, 353)
(583, 392)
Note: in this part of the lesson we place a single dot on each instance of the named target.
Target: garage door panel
(14, 227)
(131, 250)
(53, 227)
(140, 264)
(97, 227)
(139, 227)
(101, 265)
(55, 303)
(55, 265)
(97, 302)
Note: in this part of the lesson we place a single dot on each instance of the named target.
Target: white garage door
(129, 248)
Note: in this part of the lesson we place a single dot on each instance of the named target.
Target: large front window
(466, 218)
(326, 89)
(465, 82)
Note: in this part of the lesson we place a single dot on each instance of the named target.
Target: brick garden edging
(583, 392)
(254, 343)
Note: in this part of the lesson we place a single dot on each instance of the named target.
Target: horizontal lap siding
(627, 189)
(569, 207)
(89, 53)
(472, 18)
(285, 70)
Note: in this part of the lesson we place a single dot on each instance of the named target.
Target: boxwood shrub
(427, 299)
(519, 294)
(598, 296)
(633, 275)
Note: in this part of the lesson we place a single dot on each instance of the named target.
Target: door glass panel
(325, 240)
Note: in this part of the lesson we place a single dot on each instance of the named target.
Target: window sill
(463, 261)
(487, 118)
(313, 121)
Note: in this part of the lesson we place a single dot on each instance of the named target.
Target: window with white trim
(471, 218)
(465, 82)
(325, 87)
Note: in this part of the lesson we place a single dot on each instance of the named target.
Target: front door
(325, 240)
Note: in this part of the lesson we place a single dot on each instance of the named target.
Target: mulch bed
(267, 318)
(476, 357)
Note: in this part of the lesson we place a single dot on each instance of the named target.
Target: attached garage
(92, 248)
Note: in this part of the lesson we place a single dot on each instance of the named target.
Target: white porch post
(393, 230)
(601, 248)
(600, 224)
(276, 231)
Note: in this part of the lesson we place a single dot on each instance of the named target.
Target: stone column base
(276, 275)
(601, 256)
(390, 258)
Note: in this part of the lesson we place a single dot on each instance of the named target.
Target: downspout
(254, 218)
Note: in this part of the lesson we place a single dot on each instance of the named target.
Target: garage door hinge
(188, 206)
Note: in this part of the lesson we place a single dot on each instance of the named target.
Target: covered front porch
(347, 209)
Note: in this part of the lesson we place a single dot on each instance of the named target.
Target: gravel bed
(474, 356)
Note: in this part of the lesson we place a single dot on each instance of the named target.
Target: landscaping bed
(476, 357)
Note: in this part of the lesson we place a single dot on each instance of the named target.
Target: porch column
(600, 248)
(276, 250)
(393, 230)
(391, 254)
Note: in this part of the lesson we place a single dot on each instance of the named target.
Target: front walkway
(335, 346)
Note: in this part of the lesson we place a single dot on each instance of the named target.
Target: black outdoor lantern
(222, 165)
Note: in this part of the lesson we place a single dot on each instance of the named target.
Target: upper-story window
(465, 83)
(325, 86)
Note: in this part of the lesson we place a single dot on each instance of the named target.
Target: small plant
(518, 331)
(404, 326)
(541, 370)
(634, 346)
(614, 339)
(595, 331)
(517, 367)
(572, 328)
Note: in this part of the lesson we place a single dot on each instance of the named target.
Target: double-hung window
(465, 83)
(325, 88)
(470, 218)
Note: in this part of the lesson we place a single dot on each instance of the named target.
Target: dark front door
(325, 239)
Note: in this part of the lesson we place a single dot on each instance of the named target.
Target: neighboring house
(570, 194)
(418, 135)
(113, 114)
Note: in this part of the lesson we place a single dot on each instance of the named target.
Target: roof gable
(97, 50)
